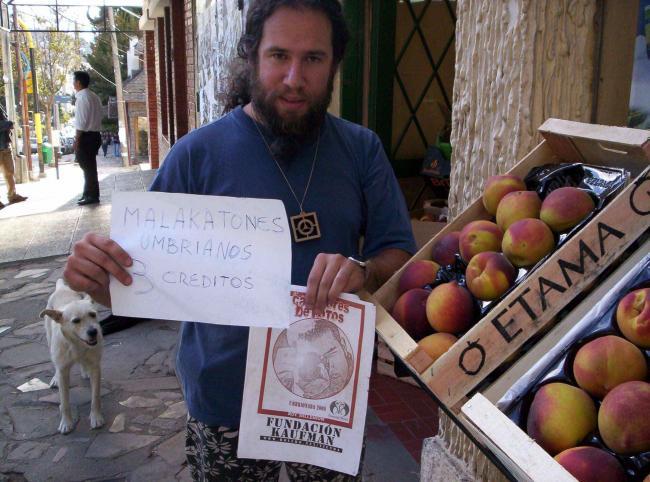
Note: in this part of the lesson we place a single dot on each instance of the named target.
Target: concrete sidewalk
(143, 439)
(49, 222)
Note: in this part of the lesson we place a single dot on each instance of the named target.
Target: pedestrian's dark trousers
(87, 148)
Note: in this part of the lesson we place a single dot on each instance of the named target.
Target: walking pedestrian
(88, 119)
(105, 141)
(277, 141)
(116, 145)
(7, 160)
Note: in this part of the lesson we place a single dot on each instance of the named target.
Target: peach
(527, 241)
(565, 207)
(623, 418)
(606, 362)
(633, 317)
(450, 308)
(560, 417)
(445, 249)
(417, 274)
(437, 344)
(497, 187)
(479, 236)
(518, 205)
(489, 275)
(410, 312)
(590, 464)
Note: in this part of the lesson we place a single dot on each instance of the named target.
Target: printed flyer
(306, 388)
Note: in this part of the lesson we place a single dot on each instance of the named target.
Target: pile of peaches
(525, 230)
(599, 414)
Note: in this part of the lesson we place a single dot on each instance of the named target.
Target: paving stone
(7, 321)
(32, 273)
(24, 355)
(118, 423)
(136, 401)
(173, 449)
(176, 410)
(153, 469)
(28, 450)
(55, 275)
(34, 421)
(142, 419)
(80, 440)
(27, 288)
(109, 445)
(164, 338)
(25, 373)
(165, 424)
(34, 385)
(78, 395)
(29, 330)
(60, 454)
(156, 358)
(2, 449)
(168, 395)
(184, 475)
(9, 341)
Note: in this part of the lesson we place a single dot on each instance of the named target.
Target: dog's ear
(86, 297)
(56, 315)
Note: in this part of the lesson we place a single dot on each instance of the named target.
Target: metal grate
(417, 39)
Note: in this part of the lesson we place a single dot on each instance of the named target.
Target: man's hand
(92, 260)
(331, 275)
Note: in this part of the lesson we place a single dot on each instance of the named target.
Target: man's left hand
(331, 275)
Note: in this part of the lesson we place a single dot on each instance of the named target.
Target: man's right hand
(92, 260)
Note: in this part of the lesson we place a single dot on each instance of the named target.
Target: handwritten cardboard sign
(210, 259)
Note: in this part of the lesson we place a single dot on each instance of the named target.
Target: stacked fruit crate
(458, 322)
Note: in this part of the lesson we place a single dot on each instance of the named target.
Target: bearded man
(277, 141)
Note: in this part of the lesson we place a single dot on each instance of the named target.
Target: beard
(289, 134)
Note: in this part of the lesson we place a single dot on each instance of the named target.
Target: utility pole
(37, 112)
(27, 145)
(37, 115)
(8, 78)
(57, 129)
(121, 116)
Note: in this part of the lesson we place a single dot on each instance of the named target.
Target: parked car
(66, 145)
(32, 142)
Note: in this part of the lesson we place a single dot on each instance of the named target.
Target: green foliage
(101, 59)
(109, 125)
(56, 55)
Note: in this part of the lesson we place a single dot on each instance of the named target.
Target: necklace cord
(313, 165)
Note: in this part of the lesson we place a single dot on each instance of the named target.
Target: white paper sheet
(306, 387)
(211, 259)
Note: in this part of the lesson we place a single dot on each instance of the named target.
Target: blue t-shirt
(353, 191)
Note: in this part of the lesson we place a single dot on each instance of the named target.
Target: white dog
(74, 336)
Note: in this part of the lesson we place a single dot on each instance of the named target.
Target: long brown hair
(242, 68)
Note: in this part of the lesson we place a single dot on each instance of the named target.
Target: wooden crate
(523, 458)
(386, 364)
(536, 301)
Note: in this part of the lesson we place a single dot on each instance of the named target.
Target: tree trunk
(518, 62)
(49, 103)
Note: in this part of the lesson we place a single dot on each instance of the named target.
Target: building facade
(488, 72)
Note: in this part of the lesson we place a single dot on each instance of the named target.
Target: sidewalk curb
(18, 262)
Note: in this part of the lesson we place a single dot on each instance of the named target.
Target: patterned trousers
(212, 456)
